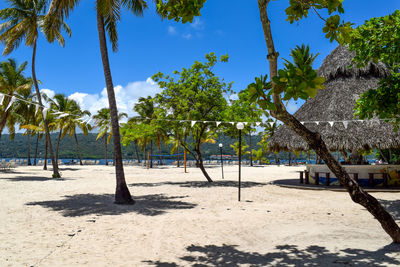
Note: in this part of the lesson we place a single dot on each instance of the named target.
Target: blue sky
(148, 44)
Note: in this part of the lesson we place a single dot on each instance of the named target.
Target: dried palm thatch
(336, 102)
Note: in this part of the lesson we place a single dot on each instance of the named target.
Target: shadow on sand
(392, 206)
(88, 204)
(200, 184)
(34, 179)
(285, 255)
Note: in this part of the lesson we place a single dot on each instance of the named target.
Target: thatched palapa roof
(336, 102)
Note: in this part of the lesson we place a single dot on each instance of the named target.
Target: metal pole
(222, 164)
(240, 159)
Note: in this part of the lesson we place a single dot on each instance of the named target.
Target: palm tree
(24, 20)
(24, 111)
(108, 15)
(12, 82)
(103, 120)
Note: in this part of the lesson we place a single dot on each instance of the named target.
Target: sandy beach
(181, 220)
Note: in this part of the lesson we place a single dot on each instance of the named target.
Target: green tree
(243, 110)
(299, 80)
(12, 83)
(383, 38)
(196, 95)
(108, 16)
(103, 121)
(24, 20)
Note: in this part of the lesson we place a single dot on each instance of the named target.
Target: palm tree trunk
(56, 174)
(58, 144)
(29, 148)
(137, 152)
(45, 152)
(122, 194)
(5, 114)
(315, 142)
(105, 148)
(151, 154)
(177, 156)
(36, 150)
(77, 148)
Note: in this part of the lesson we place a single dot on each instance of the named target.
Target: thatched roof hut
(336, 102)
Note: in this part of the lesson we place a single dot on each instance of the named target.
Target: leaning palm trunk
(122, 194)
(316, 143)
(29, 148)
(56, 174)
(77, 148)
(137, 152)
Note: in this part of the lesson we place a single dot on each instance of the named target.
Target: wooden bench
(306, 175)
(371, 181)
(327, 177)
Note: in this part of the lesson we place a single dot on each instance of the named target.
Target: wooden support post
(328, 179)
(148, 159)
(307, 177)
(385, 179)
(301, 177)
(184, 156)
(317, 178)
(371, 179)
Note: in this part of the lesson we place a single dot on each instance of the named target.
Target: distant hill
(92, 149)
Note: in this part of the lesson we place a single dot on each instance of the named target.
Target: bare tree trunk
(36, 150)
(199, 161)
(29, 148)
(77, 148)
(56, 174)
(315, 142)
(45, 152)
(177, 156)
(122, 194)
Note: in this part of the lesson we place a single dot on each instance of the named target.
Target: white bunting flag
(231, 122)
(271, 124)
(258, 123)
(205, 121)
(45, 113)
(345, 124)
(302, 122)
(1, 98)
(10, 104)
(317, 122)
(36, 109)
(218, 123)
(193, 123)
(331, 123)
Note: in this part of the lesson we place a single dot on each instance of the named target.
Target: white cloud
(197, 24)
(126, 96)
(172, 30)
(187, 36)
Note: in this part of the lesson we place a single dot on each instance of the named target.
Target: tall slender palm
(102, 120)
(24, 20)
(12, 82)
(24, 111)
(108, 15)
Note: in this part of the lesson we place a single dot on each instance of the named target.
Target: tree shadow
(34, 179)
(286, 255)
(201, 184)
(89, 204)
(391, 206)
